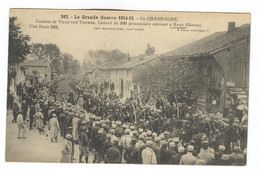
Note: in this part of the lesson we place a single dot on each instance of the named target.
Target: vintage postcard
(129, 87)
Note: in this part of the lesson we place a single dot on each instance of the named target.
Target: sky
(78, 39)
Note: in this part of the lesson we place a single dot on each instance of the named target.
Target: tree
(104, 56)
(18, 43)
(49, 52)
(149, 50)
(172, 75)
(75, 65)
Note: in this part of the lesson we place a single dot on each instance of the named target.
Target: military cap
(81, 115)
(119, 123)
(190, 148)
(132, 127)
(161, 136)
(175, 139)
(141, 130)
(141, 137)
(68, 136)
(154, 135)
(166, 132)
(149, 143)
(224, 157)
(146, 138)
(144, 134)
(237, 148)
(112, 131)
(109, 136)
(101, 131)
(70, 128)
(114, 126)
(149, 132)
(172, 144)
(180, 149)
(104, 125)
(127, 131)
(134, 139)
(135, 132)
(164, 142)
(205, 142)
(156, 139)
(222, 148)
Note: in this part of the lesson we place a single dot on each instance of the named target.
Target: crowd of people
(135, 130)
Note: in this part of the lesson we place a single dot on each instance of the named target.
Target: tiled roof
(127, 65)
(211, 43)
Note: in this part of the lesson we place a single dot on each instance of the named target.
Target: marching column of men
(114, 138)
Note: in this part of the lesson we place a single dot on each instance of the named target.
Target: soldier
(126, 140)
(62, 122)
(39, 120)
(31, 114)
(218, 154)
(107, 144)
(156, 148)
(175, 159)
(236, 157)
(188, 159)
(148, 155)
(113, 154)
(132, 153)
(75, 134)
(54, 128)
(66, 151)
(83, 145)
(168, 153)
(205, 153)
(21, 125)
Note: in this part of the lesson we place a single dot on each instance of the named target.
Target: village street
(35, 148)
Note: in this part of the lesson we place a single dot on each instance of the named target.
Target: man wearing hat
(132, 153)
(156, 148)
(218, 154)
(168, 153)
(83, 145)
(75, 134)
(175, 159)
(236, 157)
(107, 144)
(188, 159)
(113, 154)
(126, 139)
(66, 152)
(205, 153)
(148, 155)
(54, 128)
(21, 125)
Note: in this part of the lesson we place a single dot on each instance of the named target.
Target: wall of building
(235, 63)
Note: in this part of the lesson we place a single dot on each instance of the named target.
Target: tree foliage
(62, 63)
(103, 56)
(169, 75)
(18, 42)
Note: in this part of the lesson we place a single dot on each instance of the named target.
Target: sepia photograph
(127, 87)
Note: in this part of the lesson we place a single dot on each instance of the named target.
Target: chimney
(231, 26)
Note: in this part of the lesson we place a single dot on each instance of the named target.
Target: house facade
(223, 59)
(119, 74)
(39, 69)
